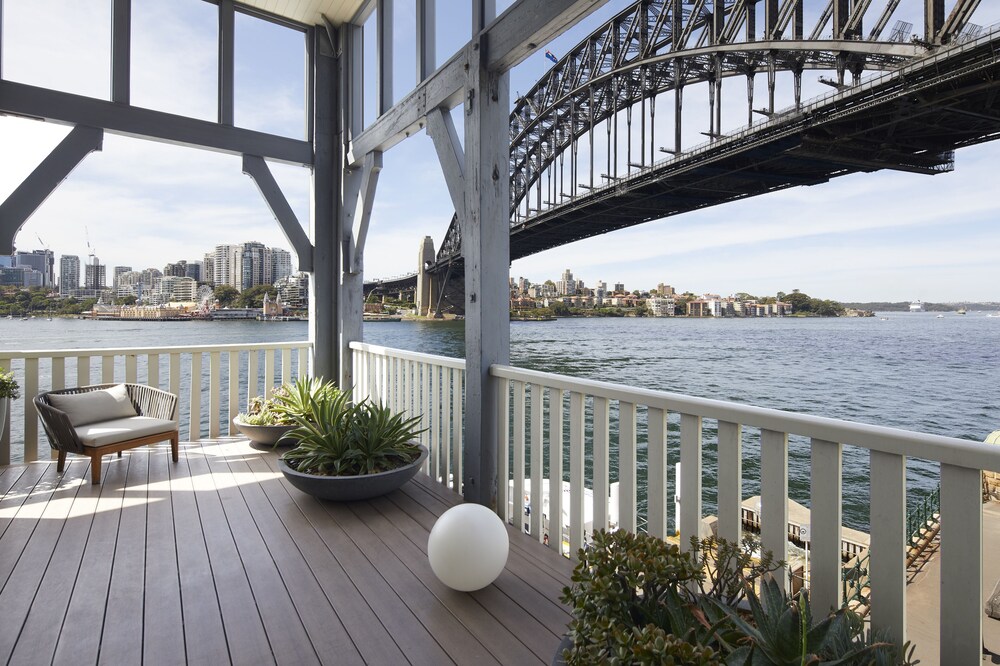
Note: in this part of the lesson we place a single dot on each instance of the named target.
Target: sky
(868, 237)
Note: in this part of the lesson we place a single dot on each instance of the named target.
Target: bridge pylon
(423, 299)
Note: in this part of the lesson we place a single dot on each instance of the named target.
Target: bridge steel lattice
(927, 96)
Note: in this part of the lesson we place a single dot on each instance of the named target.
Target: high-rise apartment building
(208, 268)
(119, 271)
(193, 270)
(281, 264)
(43, 261)
(69, 274)
(95, 275)
(178, 269)
(567, 285)
(251, 265)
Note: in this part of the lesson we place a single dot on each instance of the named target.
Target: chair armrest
(61, 433)
(153, 402)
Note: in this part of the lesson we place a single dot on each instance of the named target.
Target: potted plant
(269, 420)
(348, 452)
(637, 599)
(9, 390)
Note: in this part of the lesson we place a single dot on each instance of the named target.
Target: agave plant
(265, 411)
(298, 398)
(337, 438)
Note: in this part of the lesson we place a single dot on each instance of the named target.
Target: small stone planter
(352, 488)
(266, 435)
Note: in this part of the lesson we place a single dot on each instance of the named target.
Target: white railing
(534, 404)
(221, 391)
(419, 384)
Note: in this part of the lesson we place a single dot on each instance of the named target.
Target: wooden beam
(426, 52)
(43, 181)
(358, 204)
(257, 169)
(384, 35)
(450, 155)
(121, 56)
(519, 32)
(227, 67)
(486, 248)
(23, 100)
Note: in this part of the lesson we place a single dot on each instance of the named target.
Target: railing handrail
(118, 351)
(444, 361)
(950, 450)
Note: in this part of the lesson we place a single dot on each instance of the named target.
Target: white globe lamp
(468, 547)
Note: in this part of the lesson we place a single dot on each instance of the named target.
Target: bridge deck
(216, 559)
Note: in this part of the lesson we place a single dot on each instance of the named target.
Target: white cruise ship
(916, 306)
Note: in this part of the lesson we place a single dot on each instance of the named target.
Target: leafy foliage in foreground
(8, 385)
(639, 600)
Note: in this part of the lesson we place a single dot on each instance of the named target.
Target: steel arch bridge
(930, 94)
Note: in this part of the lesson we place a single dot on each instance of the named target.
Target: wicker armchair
(155, 421)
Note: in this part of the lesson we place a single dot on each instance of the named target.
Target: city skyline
(867, 237)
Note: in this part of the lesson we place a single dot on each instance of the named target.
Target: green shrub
(8, 385)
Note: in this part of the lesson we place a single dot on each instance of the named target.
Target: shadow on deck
(216, 559)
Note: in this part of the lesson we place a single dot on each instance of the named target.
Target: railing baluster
(774, 496)
(961, 565)
(690, 481)
(656, 474)
(153, 370)
(518, 492)
(175, 377)
(446, 443)
(426, 419)
(888, 544)
(214, 383)
(730, 481)
(107, 369)
(626, 466)
(504, 496)
(457, 425)
(286, 365)
(234, 389)
(83, 371)
(825, 528)
(576, 471)
(194, 421)
(601, 463)
(30, 413)
(303, 368)
(252, 379)
(131, 369)
(555, 469)
(268, 372)
(58, 373)
(435, 407)
(537, 500)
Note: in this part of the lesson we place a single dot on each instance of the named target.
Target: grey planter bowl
(267, 435)
(352, 488)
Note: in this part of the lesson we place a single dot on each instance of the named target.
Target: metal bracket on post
(44, 179)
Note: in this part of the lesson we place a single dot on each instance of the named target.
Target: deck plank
(27, 574)
(79, 639)
(371, 638)
(163, 625)
(326, 632)
(217, 559)
(244, 629)
(289, 640)
(124, 611)
(204, 634)
(415, 641)
(40, 632)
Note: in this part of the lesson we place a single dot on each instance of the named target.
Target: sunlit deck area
(215, 559)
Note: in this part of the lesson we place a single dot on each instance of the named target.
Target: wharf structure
(487, 421)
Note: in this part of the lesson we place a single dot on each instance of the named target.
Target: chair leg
(173, 446)
(119, 454)
(95, 469)
(61, 462)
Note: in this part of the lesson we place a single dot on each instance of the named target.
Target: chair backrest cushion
(94, 406)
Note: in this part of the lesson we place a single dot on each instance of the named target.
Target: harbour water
(913, 370)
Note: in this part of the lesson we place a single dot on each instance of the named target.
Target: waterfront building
(293, 290)
(171, 288)
(281, 264)
(119, 271)
(128, 283)
(42, 261)
(619, 287)
(208, 268)
(566, 285)
(222, 263)
(178, 269)
(69, 274)
(193, 271)
(660, 306)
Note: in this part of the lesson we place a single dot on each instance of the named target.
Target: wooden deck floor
(217, 560)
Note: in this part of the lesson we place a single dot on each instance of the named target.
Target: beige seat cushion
(94, 406)
(120, 430)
